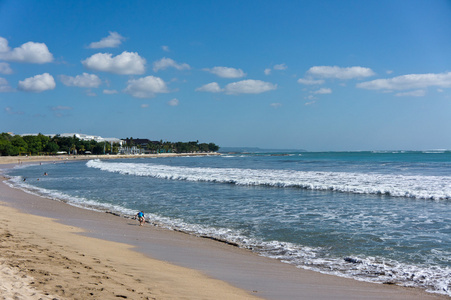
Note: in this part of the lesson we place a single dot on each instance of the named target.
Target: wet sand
(72, 253)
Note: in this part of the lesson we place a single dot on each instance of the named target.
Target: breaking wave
(412, 186)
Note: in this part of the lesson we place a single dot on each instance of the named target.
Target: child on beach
(141, 218)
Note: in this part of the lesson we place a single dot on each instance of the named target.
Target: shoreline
(4, 160)
(44, 259)
(251, 274)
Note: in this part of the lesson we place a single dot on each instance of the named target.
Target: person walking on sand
(141, 218)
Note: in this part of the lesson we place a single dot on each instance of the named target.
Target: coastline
(62, 158)
(248, 274)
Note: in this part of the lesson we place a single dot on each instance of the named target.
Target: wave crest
(412, 186)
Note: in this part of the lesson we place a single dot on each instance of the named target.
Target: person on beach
(141, 218)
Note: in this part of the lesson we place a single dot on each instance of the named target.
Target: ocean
(381, 217)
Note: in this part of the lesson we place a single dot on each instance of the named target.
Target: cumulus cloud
(146, 87)
(267, 71)
(165, 63)
(30, 52)
(110, 92)
(416, 93)
(85, 80)
(226, 72)
(173, 102)
(126, 63)
(5, 69)
(323, 91)
(310, 81)
(212, 87)
(409, 82)
(340, 73)
(38, 83)
(280, 67)
(111, 41)
(249, 86)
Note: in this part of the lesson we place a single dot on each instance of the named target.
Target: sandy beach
(61, 158)
(50, 250)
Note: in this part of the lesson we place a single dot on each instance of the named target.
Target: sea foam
(411, 186)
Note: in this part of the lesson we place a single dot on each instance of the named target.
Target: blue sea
(381, 217)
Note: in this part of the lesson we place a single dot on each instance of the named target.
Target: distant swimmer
(141, 218)
(45, 174)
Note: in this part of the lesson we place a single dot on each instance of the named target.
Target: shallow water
(381, 217)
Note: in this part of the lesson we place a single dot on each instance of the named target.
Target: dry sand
(61, 158)
(51, 250)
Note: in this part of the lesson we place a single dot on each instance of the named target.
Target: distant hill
(256, 150)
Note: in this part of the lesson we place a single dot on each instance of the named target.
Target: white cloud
(85, 80)
(280, 67)
(408, 82)
(226, 72)
(145, 105)
(212, 87)
(173, 102)
(267, 71)
(276, 105)
(249, 86)
(310, 81)
(4, 48)
(38, 83)
(165, 48)
(5, 69)
(416, 93)
(110, 92)
(111, 41)
(165, 63)
(340, 73)
(126, 63)
(323, 91)
(30, 52)
(146, 87)
(4, 86)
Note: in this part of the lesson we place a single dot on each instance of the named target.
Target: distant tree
(212, 147)
(6, 147)
(34, 144)
(18, 141)
(51, 148)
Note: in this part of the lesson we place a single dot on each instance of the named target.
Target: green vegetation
(148, 146)
(44, 145)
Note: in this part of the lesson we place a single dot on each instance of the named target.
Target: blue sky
(315, 75)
